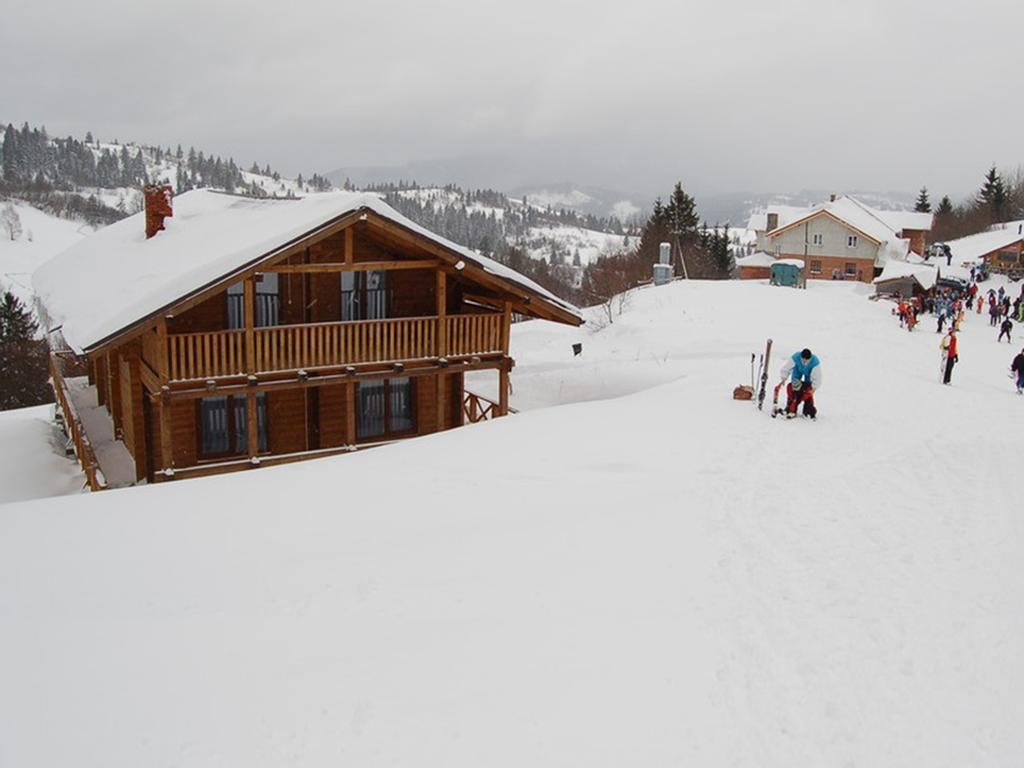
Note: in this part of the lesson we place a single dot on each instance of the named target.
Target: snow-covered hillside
(659, 575)
(42, 237)
(480, 219)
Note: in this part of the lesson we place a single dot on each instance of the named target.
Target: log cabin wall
(325, 288)
(333, 400)
(286, 421)
(100, 365)
(114, 389)
(183, 421)
(133, 425)
(210, 315)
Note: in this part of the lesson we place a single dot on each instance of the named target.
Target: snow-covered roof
(758, 259)
(905, 220)
(786, 213)
(973, 247)
(896, 270)
(792, 262)
(116, 277)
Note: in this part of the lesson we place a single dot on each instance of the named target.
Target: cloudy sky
(727, 95)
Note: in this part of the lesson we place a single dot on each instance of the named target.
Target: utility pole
(676, 231)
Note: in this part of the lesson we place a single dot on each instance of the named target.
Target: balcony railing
(293, 347)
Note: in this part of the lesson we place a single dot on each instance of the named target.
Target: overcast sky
(726, 95)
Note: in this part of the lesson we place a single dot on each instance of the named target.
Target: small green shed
(789, 272)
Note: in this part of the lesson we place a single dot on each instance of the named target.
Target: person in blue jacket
(802, 370)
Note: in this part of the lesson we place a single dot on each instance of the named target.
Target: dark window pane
(364, 295)
(376, 295)
(370, 409)
(214, 424)
(400, 393)
(349, 297)
(267, 303)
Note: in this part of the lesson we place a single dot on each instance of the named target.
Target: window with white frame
(817, 239)
(851, 241)
(815, 267)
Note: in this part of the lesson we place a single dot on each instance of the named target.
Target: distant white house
(841, 239)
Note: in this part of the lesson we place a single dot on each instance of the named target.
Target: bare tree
(10, 221)
(607, 282)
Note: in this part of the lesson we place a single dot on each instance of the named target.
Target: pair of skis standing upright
(762, 390)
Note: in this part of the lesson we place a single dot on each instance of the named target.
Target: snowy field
(32, 457)
(648, 574)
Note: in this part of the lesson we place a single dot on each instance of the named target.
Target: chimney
(773, 222)
(831, 198)
(158, 206)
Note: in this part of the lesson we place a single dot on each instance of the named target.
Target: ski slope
(635, 570)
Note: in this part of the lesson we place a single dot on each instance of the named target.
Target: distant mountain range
(732, 208)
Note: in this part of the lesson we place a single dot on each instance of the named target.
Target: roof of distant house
(973, 247)
(786, 213)
(925, 275)
(116, 278)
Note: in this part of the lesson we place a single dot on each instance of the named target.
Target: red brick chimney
(158, 206)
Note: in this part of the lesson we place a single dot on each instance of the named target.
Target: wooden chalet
(228, 332)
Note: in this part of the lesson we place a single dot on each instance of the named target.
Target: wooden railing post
(442, 311)
(506, 327)
(250, 326)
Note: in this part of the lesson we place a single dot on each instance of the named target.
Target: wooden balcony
(318, 345)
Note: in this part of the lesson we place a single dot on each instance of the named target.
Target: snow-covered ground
(659, 575)
(32, 460)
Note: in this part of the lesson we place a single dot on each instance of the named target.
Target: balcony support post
(442, 342)
(249, 295)
(163, 351)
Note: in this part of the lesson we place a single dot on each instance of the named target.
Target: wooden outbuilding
(224, 332)
(756, 266)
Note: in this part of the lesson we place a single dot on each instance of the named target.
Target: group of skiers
(953, 306)
(801, 373)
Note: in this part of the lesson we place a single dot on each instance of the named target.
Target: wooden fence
(73, 425)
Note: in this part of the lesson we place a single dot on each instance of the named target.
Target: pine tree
(923, 204)
(10, 153)
(945, 207)
(993, 195)
(23, 358)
